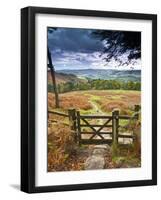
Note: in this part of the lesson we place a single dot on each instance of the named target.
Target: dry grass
(61, 147)
(70, 100)
(122, 100)
(59, 142)
(108, 100)
(62, 150)
(110, 106)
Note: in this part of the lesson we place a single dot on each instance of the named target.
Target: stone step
(94, 162)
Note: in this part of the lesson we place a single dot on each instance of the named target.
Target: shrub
(77, 101)
(110, 106)
(60, 146)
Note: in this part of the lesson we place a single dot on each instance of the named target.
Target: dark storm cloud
(75, 40)
(73, 48)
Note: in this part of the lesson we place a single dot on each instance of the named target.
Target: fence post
(136, 130)
(136, 109)
(49, 122)
(79, 128)
(115, 124)
(72, 121)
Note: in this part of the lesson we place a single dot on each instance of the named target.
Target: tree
(52, 71)
(117, 43)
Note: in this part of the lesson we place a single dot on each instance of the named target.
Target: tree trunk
(52, 71)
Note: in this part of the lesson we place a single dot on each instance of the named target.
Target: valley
(105, 74)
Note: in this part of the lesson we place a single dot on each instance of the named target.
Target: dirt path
(98, 111)
(97, 158)
(100, 121)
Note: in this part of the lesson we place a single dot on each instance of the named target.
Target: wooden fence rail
(97, 133)
(58, 113)
(96, 116)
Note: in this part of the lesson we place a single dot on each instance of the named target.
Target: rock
(99, 152)
(86, 152)
(105, 146)
(94, 162)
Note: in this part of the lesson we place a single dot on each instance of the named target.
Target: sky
(73, 48)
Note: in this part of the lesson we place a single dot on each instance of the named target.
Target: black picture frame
(28, 98)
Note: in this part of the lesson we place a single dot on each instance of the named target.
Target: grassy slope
(105, 101)
(64, 78)
(98, 102)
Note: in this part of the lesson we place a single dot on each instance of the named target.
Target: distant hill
(64, 78)
(109, 74)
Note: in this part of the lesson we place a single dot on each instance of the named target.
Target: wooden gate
(95, 129)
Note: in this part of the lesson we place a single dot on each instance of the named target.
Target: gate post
(79, 128)
(136, 109)
(115, 124)
(72, 121)
(136, 117)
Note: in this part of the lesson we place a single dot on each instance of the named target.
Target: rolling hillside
(120, 75)
(64, 78)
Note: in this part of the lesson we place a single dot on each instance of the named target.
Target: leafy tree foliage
(118, 43)
(97, 84)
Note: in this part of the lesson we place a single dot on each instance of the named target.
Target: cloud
(77, 40)
(77, 60)
(77, 49)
